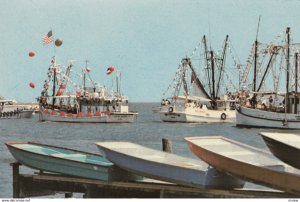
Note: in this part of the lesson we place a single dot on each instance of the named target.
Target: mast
(207, 66)
(222, 65)
(274, 51)
(213, 74)
(255, 57)
(287, 69)
(54, 81)
(296, 83)
(84, 74)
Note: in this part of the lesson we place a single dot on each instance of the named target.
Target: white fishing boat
(193, 100)
(95, 104)
(9, 109)
(165, 166)
(246, 162)
(285, 146)
(264, 112)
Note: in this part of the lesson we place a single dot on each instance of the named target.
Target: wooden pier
(43, 184)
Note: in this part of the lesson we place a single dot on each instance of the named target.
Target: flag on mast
(48, 38)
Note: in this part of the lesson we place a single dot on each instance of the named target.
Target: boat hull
(271, 174)
(201, 116)
(17, 115)
(67, 162)
(167, 167)
(247, 117)
(281, 147)
(73, 118)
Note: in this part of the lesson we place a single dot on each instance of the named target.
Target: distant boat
(246, 162)
(165, 166)
(11, 110)
(94, 104)
(67, 161)
(266, 112)
(201, 100)
(285, 146)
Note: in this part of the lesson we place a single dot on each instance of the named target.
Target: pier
(44, 184)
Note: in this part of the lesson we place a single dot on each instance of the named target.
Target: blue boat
(67, 161)
(163, 166)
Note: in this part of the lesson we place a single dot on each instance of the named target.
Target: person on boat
(271, 102)
(163, 102)
(253, 102)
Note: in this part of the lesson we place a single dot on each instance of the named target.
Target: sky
(144, 39)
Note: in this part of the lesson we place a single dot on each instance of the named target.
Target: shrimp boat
(279, 110)
(95, 104)
(67, 161)
(10, 110)
(195, 101)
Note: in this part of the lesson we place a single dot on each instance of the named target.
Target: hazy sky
(144, 39)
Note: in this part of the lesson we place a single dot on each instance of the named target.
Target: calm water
(148, 131)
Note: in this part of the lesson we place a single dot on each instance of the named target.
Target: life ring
(171, 109)
(223, 116)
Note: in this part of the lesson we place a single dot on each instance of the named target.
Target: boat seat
(80, 157)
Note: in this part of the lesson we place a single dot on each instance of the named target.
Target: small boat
(165, 166)
(246, 162)
(11, 110)
(67, 161)
(285, 146)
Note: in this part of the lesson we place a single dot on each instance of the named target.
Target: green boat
(67, 162)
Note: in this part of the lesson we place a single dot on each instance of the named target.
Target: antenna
(257, 27)
(255, 57)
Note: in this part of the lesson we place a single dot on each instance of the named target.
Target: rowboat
(285, 146)
(165, 166)
(67, 161)
(248, 163)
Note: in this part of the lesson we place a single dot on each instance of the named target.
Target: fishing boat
(11, 110)
(246, 162)
(67, 161)
(193, 100)
(277, 110)
(285, 146)
(165, 166)
(94, 104)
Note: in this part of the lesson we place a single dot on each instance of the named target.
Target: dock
(45, 184)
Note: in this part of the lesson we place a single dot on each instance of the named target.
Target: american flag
(48, 38)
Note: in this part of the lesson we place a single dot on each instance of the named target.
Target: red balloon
(110, 70)
(31, 54)
(32, 85)
(63, 86)
(59, 93)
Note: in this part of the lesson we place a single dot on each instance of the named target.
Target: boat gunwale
(277, 141)
(269, 119)
(10, 144)
(156, 162)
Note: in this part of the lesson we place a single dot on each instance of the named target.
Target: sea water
(148, 130)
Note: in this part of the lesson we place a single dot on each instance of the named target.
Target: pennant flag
(48, 38)
(110, 70)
